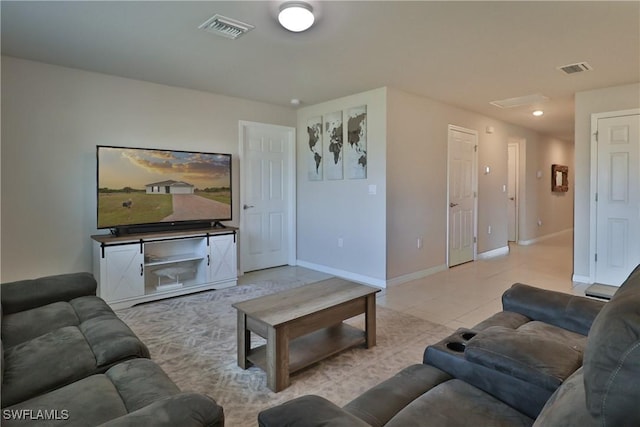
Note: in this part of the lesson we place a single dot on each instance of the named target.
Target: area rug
(193, 338)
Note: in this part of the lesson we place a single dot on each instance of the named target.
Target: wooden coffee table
(303, 326)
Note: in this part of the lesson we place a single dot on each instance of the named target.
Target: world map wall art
(314, 131)
(328, 156)
(333, 145)
(356, 158)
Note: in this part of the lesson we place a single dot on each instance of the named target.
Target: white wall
(333, 209)
(54, 117)
(587, 103)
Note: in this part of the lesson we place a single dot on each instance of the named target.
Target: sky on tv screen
(137, 168)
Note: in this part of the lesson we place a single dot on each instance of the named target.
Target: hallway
(469, 293)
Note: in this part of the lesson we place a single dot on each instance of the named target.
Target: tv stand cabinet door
(222, 258)
(122, 273)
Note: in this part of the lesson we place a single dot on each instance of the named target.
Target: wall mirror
(559, 178)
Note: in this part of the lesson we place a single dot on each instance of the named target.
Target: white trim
(594, 184)
(494, 253)
(515, 142)
(292, 185)
(378, 283)
(581, 279)
(545, 237)
(417, 275)
(474, 184)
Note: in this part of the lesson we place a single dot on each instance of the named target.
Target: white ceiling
(463, 53)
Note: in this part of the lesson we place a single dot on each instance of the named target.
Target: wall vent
(578, 67)
(225, 27)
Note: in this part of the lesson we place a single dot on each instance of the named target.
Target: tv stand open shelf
(136, 268)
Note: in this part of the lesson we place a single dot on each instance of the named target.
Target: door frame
(593, 205)
(291, 208)
(474, 184)
(516, 142)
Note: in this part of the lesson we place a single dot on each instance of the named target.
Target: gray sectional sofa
(67, 359)
(499, 372)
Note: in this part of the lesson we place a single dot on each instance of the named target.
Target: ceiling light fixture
(296, 16)
(538, 113)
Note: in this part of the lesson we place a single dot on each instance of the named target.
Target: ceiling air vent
(225, 27)
(575, 68)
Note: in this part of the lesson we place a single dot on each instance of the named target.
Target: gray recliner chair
(68, 360)
(56, 331)
(604, 391)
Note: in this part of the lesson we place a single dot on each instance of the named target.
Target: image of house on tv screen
(144, 186)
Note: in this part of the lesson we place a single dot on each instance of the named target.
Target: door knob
(452, 204)
(245, 207)
(512, 198)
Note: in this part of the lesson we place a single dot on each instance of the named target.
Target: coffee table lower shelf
(314, 347)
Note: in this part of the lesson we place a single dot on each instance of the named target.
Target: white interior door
(512, 192)
(462, 195)
(618, 198)
(267, 217)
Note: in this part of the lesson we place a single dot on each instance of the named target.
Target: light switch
(373, 189)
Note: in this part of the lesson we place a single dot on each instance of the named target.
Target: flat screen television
(145, 189)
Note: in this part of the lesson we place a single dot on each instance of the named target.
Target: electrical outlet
(539, 222)
(489, 230)
(419, 243)
(340, 242)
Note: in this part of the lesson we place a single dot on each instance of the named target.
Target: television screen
(140, 186)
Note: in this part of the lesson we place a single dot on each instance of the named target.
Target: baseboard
(494, 253)
(415, 276)
(545, 237)
(581, 279)
(378, 283)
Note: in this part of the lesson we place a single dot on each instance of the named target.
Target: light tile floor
(467, 294)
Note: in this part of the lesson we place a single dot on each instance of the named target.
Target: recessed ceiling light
(538, 113)
(296, 16)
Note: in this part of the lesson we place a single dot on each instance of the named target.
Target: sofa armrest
(381, 403)
(183, 409)
(566, 311)
(308, 411)
(27, 294)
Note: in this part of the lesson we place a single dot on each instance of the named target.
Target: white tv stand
(144, 267)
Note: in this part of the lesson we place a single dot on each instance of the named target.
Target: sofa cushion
(612, 358)
(567, 406)
(57, 343)
(308, 411)
(183, 409)
(563, 310)
(111, 340)
(140, 383)
(90, 307)
(87, 402)
(508, 319)
(535, 353)
(137, 386)
(27, 294)
(26, 325)
(455, 403)
(45, 363)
